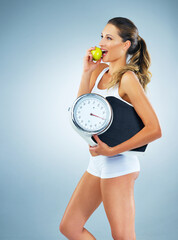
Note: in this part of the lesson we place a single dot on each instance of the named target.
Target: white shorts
(109, 167)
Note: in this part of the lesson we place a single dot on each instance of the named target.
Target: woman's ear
(127, 44)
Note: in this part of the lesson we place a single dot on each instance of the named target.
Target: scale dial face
(92, 113)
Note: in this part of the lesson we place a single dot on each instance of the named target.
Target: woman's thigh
(85, 199)
(119, 205)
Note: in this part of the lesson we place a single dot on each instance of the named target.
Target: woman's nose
(101, 43)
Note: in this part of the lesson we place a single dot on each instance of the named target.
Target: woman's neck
(116, 65)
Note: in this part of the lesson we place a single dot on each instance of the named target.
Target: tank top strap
(115, 90)
(100, 76)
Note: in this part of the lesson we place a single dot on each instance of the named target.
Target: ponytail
(140, 60)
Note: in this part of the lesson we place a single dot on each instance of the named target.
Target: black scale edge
(126, 123)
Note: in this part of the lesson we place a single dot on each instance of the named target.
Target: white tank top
(114, 91)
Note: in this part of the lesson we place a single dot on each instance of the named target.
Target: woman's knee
(117, 235)
(69, 230)
(62, 227)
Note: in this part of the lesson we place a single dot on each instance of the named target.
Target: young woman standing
(111, 175)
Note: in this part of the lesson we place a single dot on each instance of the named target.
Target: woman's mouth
(104, 52)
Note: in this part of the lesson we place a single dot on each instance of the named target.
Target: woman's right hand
(88, 64)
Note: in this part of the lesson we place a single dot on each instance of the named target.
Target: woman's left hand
(100, 149)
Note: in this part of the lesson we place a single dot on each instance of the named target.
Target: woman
(111, 175)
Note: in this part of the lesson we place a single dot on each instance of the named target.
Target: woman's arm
(89, 78)
(85, 83)
(90, 70)
(151, 130)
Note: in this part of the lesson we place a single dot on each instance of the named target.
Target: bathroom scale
(113, 120)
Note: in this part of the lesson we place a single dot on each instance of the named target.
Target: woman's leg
(118, 200)
(85, 199)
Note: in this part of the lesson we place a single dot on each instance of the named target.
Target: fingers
(97, 139)
(92, 151)
(89, 55)
(89, 63)
(90, 49)
(98, 62)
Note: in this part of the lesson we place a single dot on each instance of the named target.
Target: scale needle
(96, 116)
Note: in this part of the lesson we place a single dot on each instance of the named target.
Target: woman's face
(113, 44)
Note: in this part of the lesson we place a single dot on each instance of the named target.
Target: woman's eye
(107, 38)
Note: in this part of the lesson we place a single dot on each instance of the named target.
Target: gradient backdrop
(42, 45)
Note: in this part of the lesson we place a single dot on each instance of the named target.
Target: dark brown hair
(139, 61)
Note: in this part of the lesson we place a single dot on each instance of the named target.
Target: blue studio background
(42, 46)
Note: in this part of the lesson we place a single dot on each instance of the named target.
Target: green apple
(97, 53)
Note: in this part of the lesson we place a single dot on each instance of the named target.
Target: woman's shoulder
(96, 73)
(129, 73)
(127, 80)
(128, 77)
(130, 81)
